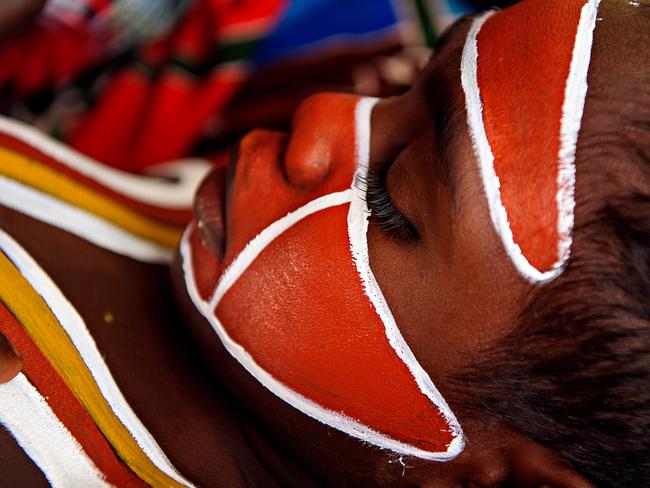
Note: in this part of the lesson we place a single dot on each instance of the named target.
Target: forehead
(524, 76)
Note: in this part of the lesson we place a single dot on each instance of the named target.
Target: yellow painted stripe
(43, 327)
(41, 177)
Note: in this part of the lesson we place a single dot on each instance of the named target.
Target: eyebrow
(447, 116)
(447, 109)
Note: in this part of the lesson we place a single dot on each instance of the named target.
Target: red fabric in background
(153, 107)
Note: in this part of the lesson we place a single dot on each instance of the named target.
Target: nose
(278, 173)
(321, 133)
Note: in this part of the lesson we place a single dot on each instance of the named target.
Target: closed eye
(382, 209)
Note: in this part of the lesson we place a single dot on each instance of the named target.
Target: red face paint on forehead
(530, 76)
(298, 306)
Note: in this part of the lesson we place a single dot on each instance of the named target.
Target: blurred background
(135, 83)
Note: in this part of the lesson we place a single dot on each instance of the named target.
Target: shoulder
(86, 301)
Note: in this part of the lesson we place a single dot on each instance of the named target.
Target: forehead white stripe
(358, 233)
(491, 183)
(575, 93)
(572, 110)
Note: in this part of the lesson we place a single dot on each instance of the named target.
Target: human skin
(14, 15)
(10, 362)
(454, 293)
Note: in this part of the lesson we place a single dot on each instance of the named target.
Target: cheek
(427, 295)
(303, 315)
(452, 290)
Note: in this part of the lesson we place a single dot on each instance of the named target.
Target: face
(353, 264)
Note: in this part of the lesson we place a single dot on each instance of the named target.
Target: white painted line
(328, 417)
(310, 408)
(264, 238)
(76, 221)
(358, 233)
(38, 431)
(177, 194)
(491, 183)
(77, 331)
(575, 95)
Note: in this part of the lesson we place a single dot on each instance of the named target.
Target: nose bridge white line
(358, 234)
(264, 238)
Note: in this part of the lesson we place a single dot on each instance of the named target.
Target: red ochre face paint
(524, 74)
(294, 299)
(297, 304)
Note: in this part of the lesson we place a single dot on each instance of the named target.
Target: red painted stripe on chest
(65, 405)
(178, 217)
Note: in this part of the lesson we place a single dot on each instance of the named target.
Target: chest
(123, 361)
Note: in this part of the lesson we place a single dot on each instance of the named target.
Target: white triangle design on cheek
(358, 233)
(572, 111)
(357, 226)
(269, 234)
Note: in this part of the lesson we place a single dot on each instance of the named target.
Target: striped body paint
(56, 330)
(63, 405)
(26, 413)
(131, 215)
(73, 421)
(525, 90)
(320, 334)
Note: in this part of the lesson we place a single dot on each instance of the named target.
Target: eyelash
(382, 210)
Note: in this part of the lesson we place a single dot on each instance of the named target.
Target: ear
(537, 466)
(509, 459)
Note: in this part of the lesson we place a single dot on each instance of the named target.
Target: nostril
(307, 162)
(321, 139)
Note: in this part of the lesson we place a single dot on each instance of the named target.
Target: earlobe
(537, 466)
(503, 458)
(534, 465)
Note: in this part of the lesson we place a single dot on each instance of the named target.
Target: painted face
(320, 334)
(348, 295)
